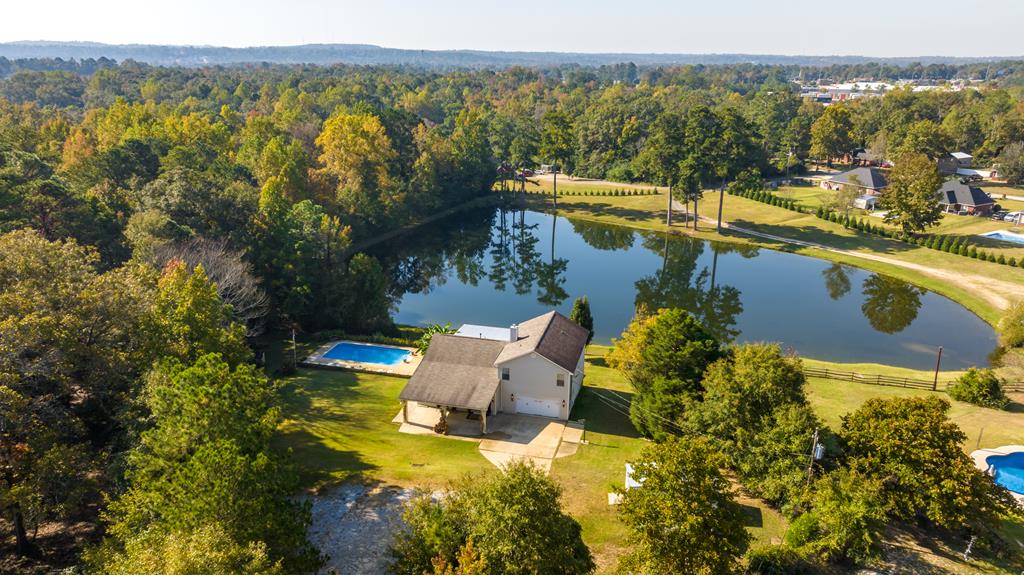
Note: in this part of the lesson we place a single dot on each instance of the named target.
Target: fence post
(938, 362)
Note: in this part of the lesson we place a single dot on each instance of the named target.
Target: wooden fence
(909, 382)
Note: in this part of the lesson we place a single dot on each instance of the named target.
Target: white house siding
(535, 376)
(577, 378)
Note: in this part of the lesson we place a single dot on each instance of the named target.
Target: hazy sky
(820, 27)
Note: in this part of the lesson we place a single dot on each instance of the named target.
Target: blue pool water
(367, 353)
(1009, 470)
(1005, 236)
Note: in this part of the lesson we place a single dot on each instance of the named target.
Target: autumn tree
(911, 201)
(356, 151)
(911, 446)
(830, 134)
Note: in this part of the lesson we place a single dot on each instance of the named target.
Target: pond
(499, 266)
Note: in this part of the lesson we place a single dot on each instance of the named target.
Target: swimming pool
(1005, 236)
(1009, 470)
(367, 353)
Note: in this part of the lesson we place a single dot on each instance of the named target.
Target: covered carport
(457, 373)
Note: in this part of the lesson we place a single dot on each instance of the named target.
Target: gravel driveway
(352, 526)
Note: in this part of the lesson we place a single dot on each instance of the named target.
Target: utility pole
(810, 460)
(938, 362)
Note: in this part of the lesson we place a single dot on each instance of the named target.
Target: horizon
(1017, 56)
(915, 28)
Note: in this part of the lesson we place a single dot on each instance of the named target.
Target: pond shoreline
(978, 306)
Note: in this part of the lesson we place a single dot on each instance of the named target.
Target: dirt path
(998, 293)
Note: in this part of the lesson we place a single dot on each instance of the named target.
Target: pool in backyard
(365, 357)
(1008, 470)
(367, 353)
(1004, 236)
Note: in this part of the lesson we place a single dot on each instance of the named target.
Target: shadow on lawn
(602, 209)
(827, 237)
(316, 462)
(752, 516)
(606, 411)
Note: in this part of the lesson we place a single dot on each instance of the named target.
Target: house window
(560, 380)
(505, 374)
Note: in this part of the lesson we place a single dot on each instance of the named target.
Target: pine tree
(582, 317)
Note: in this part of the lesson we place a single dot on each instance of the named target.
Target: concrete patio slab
(510, 437)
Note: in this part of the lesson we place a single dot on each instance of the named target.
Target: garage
(533, 406)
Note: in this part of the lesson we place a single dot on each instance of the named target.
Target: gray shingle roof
(552, 336)
(870, 178)
(460, 371)
(956, 192)
(457, 372)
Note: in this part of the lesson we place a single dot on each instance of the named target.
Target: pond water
(498, 266)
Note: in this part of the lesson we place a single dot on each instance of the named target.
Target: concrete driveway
(510, 437)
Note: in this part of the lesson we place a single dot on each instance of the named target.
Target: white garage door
(532, 406)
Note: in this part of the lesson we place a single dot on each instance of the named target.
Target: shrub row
(953, 245)
(766, 197)
(615, 192)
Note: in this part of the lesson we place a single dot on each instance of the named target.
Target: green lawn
(983, 427)
(338, 424)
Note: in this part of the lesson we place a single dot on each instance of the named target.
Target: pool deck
(980, 456)
(317, 359)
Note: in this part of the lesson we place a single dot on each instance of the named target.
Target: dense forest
(155, 220)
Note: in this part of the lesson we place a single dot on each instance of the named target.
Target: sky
(794, 27)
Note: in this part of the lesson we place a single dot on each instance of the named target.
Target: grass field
(338, 426)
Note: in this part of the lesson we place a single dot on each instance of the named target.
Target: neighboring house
(866, 202)
(534, 368)
(951, 163)
(956, 196)
(862, 157)
(870, 181)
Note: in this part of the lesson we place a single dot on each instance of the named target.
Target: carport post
(405, 412)
(483, 422)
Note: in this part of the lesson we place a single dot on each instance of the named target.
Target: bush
(845, 520)
(1012, 262)
(973, 252)
(777, 560)
(980, 387)
(1011, 328)
(1001, 260)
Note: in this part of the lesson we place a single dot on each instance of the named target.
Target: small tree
(845, 519)
(683, 519)
(512, 522)
(1011, 327)
(980, 387)
(582, 317)
(423, 343)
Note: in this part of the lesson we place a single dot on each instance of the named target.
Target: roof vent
(513, 332)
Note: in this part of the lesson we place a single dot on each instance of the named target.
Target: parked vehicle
(1012, 216)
